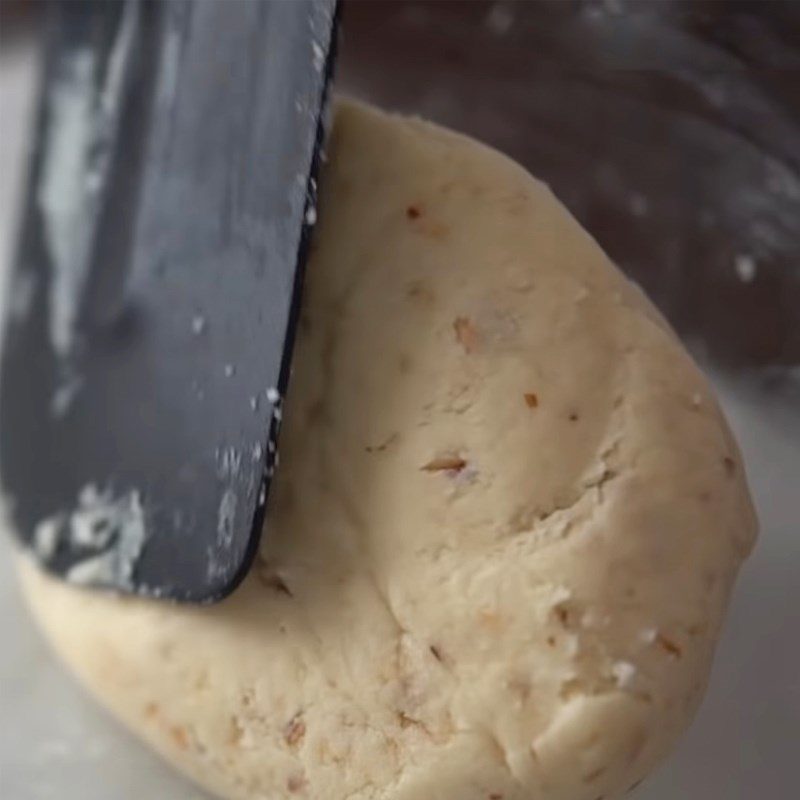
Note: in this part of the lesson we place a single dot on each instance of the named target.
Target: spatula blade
(148, 340)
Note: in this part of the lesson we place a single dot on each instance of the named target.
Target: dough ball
(504, 529)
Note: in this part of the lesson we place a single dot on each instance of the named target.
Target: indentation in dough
(528, 521)
(268, 576)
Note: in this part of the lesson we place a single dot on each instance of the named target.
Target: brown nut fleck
(179, 736)
(445, 464)
(379, 448)
(466, 334)
(406, 721)
(670, 646)
(295, 731)
(729, 464)
(531, 399)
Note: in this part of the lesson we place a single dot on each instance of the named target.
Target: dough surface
(504, 529)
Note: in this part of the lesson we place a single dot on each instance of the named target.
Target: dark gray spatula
(148, 335)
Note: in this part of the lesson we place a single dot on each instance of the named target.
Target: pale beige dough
(505, 525)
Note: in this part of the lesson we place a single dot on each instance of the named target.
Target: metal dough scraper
(152, 306)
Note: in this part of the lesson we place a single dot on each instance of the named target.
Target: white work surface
(56, 744)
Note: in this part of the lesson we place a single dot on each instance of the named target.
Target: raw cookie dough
(506, 522)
